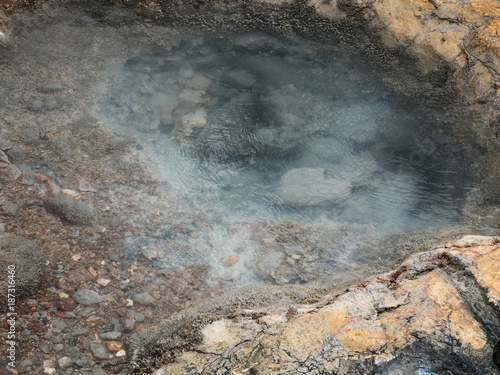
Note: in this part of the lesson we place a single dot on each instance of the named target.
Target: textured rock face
(26, 260)
(437, 312)
(461, 33)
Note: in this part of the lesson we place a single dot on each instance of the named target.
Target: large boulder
(437, 313)
(23, 260)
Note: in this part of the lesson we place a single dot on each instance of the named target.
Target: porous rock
(439, 306)
(27, 260)
(72, 210)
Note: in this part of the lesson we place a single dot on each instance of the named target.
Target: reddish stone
(114, 346)
(66, 304)
(230, 260)
(122, 311)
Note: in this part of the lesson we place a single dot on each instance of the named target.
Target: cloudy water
(256, 127)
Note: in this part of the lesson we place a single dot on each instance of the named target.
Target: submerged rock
(311, 186)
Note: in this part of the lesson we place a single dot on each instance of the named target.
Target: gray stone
(73, 352)
(9, 173)
(44, 347)
(26, 363)
(64, 362)
(99, 351)
(36, 105)
(72, 210)
(310, 186)
(9, 208)
(58, 347)
(86, 344)
(79, 331)
(86, 312)
(58, 326)
(17, 154)
(144, 299)
(5, 144)
(138, 317)
(89, 297)
(110, 335)
(128, 325)
(98, 370)
(83, 362)
(85, 186)
(29, 262)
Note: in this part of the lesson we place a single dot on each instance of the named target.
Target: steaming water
(254, 127)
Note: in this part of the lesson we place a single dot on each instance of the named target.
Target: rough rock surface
(28, 261)
(461, 33)
(73, 210)
(438, 312)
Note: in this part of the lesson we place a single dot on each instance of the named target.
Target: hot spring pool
(263, 128)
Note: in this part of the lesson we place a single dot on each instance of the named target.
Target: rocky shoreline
(436, 313)
(83, 193)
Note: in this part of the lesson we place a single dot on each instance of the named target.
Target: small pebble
(79, 331)
(58, 325)
(144, 299)
(65, 362)
(138, 317)
(128, 325)
(86, 344)
(110, 335)
(89, 297)
(114, 346)
(230, 260)
(49, 370)
(67, 304)
(26, 363)
(99, 351)
(103, 282)
(121, 353)
(44, 347)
